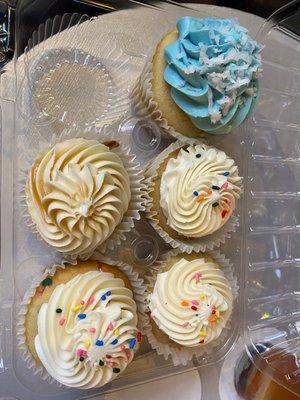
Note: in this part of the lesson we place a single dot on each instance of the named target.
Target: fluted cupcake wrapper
(139, 293)
(204, 243)
(145, 106)
(181, 355)
(137, 185)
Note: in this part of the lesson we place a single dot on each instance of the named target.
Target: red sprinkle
(91, 300)
(194, 308)
(40, 290)
(139, 337)
(110, 326)
(82, 302)
(81, 353)
(225, 185)
(224, 212)
(201, 341)
(92, 330)
(108, 356)
(62, 321)
(213, 311)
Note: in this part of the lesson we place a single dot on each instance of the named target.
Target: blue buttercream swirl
(213, 71)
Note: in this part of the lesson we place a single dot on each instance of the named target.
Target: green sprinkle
(58, 310)
(101, 363)
(47, 282)
(116, 370)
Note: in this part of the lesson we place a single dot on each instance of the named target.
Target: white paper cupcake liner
(139, 293)
(137, 184)
(205, 243)
(144, 105)
(182, 355)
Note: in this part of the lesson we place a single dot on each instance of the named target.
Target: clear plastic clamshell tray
(108, 57)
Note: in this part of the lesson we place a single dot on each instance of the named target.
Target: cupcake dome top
(87, 331)
(77, 193)
(199, 189)
(213, 70)
(192, 301)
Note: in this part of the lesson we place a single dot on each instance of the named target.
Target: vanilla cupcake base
(158, 220)
(43, 286)
(137, 186)
(160, 341)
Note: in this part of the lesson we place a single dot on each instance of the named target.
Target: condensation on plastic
(264, 250)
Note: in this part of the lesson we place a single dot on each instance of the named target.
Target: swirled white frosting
(191, 302)
(87, 330)
(77, 193)
(198, 191)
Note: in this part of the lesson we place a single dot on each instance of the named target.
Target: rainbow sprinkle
(197, 276)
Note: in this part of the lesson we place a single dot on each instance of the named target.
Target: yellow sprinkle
(265, 315)
(202, 296)
(87, 344)
(117, 332)
(202, 333)
(76, 308)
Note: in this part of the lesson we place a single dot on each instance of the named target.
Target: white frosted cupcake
(190, 305)
(194, 191)
(79, 326)
(77, 193)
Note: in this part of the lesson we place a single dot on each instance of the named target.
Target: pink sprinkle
(123, 347)
(110, 327)
(195, 302)
(62, 321)
(82, 302)
(92, 330)
(81, 353)
(225, 185)
(185, 324)
(197, 276)
(91, 300)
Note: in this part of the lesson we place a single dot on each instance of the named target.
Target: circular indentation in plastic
(69, 86)
(145, 134)
(145, 250)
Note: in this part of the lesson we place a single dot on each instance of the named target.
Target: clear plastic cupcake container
(264, 250)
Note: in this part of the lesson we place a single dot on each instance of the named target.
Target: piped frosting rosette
(198, 191)
(82, 194)
(190, 304)
(212, 68)
(88, 330)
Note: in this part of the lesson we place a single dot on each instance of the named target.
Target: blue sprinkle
(198, 155)
(195, 193)
(81, 316)
(226, 173)
(132, 343)
(108, 293)
(99, 342)
(115, 341)
(103, 297)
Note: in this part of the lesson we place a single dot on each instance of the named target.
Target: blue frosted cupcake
(203, 77)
